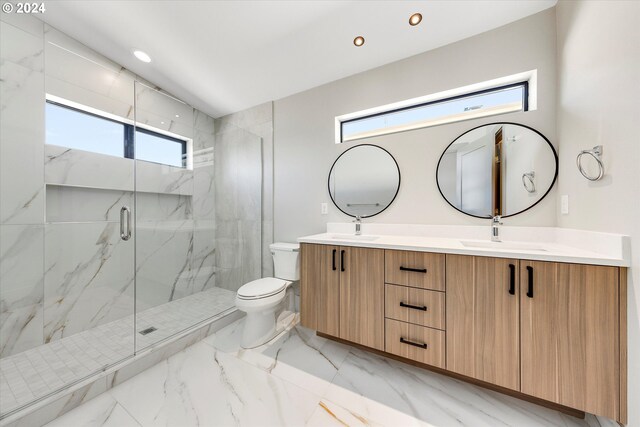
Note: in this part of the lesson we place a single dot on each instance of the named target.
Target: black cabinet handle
(530, 289)
(512, 279)
(415, 344)
(415, 270)
(333, 260)
(341, 260)
(415, 307)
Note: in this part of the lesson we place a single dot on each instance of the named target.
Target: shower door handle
(125, 224)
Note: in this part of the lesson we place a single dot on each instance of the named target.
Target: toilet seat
(262, 288)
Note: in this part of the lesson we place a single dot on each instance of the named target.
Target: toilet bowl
(261, 299)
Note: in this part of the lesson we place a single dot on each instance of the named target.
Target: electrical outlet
(564, 204)
(324, 208)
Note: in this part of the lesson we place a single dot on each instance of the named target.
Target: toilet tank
(286, 260)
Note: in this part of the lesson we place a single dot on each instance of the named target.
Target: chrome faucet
(495, 229)
(358, 222)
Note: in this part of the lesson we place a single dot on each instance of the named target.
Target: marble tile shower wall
(258, 121)
(63, 266)
(21, 185)
(238, 207)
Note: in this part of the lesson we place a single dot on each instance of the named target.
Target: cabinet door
(570, 335)
(362, 296)
(320, 288)
(482, 319)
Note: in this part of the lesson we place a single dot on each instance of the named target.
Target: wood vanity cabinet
(342, 292)
(569, 323)
(482, 319)
(320, 288)
(550, 332)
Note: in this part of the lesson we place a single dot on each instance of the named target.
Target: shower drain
(148, 330)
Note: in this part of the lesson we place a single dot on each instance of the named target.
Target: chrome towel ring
(528, 181)
(596, 153)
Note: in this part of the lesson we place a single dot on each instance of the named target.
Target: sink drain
(148, 330)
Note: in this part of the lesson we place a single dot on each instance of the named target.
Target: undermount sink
(365, 238)
(505, 246)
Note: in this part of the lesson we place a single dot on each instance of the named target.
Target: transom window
(421, 113)
(74, 128)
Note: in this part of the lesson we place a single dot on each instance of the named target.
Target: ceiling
(225, 56)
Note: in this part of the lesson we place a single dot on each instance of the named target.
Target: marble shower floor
(38, 372)
(300, 379)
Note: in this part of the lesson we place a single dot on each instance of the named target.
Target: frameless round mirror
(497, 169)
(364, 180)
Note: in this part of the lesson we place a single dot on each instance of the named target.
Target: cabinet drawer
(413, 305)
(424, 345)
(417, 269)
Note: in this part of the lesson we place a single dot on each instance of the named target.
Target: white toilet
(261, 298)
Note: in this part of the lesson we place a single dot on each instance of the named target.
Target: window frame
(129, 131)
(527, 80)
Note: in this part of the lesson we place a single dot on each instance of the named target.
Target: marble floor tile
(297, 355)
(395, 393)
(102, 411)
(202, 386)
(216, 383)
(328, 414)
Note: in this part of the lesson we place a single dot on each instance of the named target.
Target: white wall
(599, 89)
(304, 148)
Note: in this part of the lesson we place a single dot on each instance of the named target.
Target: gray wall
(598, 71)
(304, 147)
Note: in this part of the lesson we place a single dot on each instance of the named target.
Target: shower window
(74, 128)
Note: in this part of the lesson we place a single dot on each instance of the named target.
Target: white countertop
(531, 243)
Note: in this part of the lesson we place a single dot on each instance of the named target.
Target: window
(157, 148)
(75, 128)
(411, 115)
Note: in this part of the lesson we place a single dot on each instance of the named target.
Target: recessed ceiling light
(358, 41)
(177, 115)
(415, 19)
(161, 123)
(142, 56)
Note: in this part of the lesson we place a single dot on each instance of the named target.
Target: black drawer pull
(415, 307)
(415, 270)
(415, 344)
(530, 289)
(341, 260)
(333, 260)
(512, 279)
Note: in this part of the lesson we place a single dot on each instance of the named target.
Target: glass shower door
(188, 211)
(171, 257)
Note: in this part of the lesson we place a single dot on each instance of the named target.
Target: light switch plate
(324, 208)
(564, 204)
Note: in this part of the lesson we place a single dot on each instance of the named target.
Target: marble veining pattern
(21, 295)
(67, 166)
(300, 379)
(21, 89)
(164, 251)
(88, 277)
(42, 370)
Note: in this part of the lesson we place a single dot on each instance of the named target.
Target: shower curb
(55, 405)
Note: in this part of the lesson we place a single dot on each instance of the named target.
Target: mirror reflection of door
(497, 169)
(496, 175)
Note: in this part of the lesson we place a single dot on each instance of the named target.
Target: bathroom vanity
(541, 317)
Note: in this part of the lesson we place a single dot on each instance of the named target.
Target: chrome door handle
(125, 235)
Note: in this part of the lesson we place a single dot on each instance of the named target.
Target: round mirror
(497, 169)
(364, 180)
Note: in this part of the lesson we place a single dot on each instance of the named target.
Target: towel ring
(596, 153)
(528, 181)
